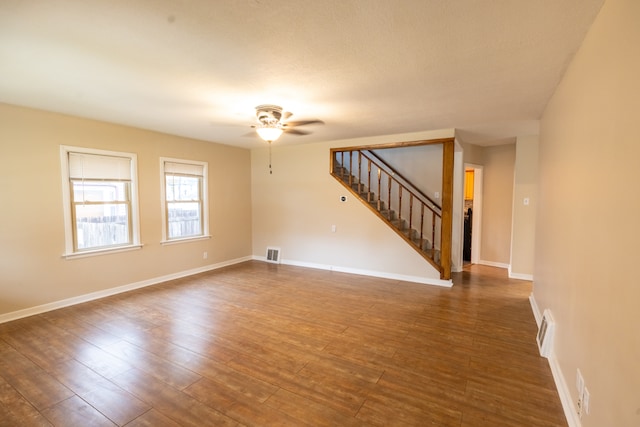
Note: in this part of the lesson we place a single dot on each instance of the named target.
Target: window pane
(100, 225)
(185, 188)
(100, 191)
(184, 219)
(185, 199)
(100, 200)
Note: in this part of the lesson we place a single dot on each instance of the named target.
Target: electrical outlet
(205, 255)
(436, 195)
(580, 406)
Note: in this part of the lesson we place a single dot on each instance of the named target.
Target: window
(184, 197)
(100, 200)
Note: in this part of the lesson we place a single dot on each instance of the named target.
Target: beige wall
(473, 153)
(32, 270)
(524, 215)
(421, 165)
(295, 208)
(497, 204)
(499, 166)
(587, 229)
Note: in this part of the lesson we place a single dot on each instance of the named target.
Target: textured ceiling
(365, 67)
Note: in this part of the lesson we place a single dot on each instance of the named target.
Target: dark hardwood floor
(259, 344)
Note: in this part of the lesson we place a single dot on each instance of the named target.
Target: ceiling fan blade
(286, 115)
(304, 122)
(252, 134)
(292, 131)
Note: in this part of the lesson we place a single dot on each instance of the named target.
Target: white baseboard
(511, 274)
(493, 264)
(566, 400)
(536, 311)
(7, 317)
(383, 275)
(520, 276)
(570, 412)
(32, 311)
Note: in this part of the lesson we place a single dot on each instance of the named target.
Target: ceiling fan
(272, 124)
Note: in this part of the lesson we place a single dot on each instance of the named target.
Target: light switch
(525, 201)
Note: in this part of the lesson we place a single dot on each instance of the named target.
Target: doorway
(472, 213)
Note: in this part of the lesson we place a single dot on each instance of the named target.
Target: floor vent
(273, 255)
(545, 334)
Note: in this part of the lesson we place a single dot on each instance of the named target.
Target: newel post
(448, 149)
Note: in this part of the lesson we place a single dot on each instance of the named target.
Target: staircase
(414, 216)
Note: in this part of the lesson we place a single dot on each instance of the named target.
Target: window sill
(185, 240)
(85, 254)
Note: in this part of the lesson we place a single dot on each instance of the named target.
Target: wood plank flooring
(259, 344)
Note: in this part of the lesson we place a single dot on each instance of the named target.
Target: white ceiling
(197, 68)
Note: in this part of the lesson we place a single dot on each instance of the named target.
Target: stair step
(340, 170)
(381, 209)
(344, 174)
(433, 254)
(423, 243)
(368, 195)
(399, 223)
(410, 233)
(346, 178)
(389, 214)
(358, 186)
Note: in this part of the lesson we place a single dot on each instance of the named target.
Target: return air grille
(273, 255)
(545, 334)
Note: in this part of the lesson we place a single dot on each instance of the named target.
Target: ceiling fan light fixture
(269, 133)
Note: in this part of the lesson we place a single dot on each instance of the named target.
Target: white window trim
(69, 251)
(90, 253)
(205, 201)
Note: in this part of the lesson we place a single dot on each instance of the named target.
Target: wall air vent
(273, 255)
(545, 334)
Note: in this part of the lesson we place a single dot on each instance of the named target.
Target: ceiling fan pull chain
(270, 171)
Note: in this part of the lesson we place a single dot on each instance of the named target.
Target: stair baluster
(379, 207)
(389, 199)
(422, 226)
